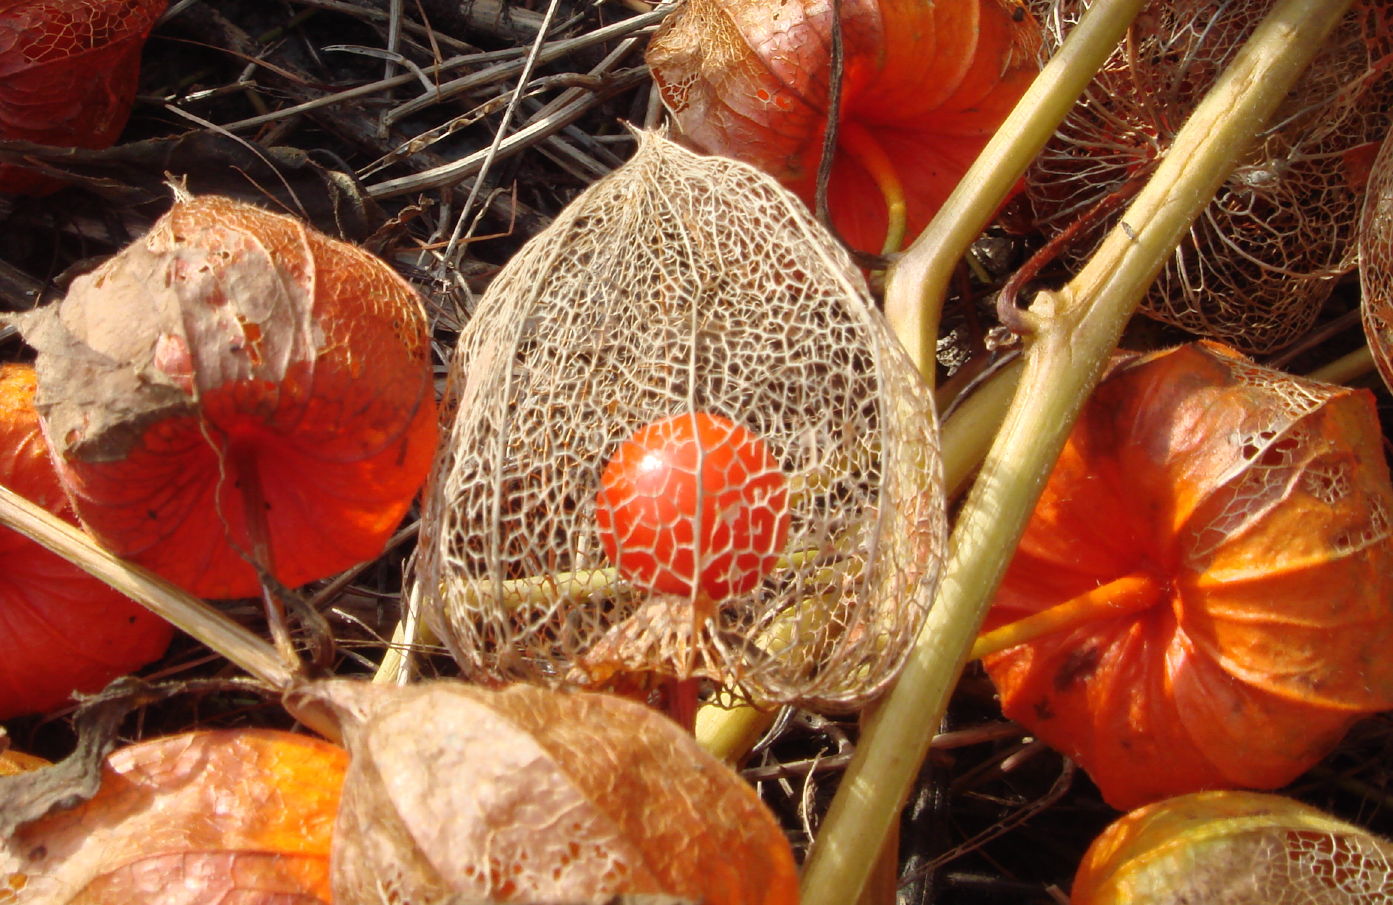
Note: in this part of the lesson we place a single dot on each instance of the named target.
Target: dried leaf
(1237, 848)
(925, 86)
(458, 793)
(77, 777)
(682, 285)
(205, 817)
(68, 71)
(1242, 518)
(65, 631)
(234, 374)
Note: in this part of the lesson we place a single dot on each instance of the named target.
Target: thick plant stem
(917, 284)
(1078, 329)
(1346, 369)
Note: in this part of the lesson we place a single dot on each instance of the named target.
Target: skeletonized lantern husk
(1376, 260)
(682, 284)
(1259, 262)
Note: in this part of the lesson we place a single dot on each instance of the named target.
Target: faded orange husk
(925, 86)
(1261, 504)
(229, 350)
(531, 795)
(1239, 848)
(64, 630)
(228, 815)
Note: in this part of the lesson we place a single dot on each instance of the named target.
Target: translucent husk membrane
(1376, 261)
(680, 284)
(1186, 849)
(1263, 256)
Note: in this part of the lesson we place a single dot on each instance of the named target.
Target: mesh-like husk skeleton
(682, 284)
(1263, 256)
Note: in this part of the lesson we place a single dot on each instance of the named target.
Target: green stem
(918, 283)
(967, 433)
(1078, 329)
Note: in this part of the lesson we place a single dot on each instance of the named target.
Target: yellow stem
(1128, 594)
(918, 283)
(1078, 329)
(728, 734)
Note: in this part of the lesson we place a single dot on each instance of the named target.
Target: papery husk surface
(192, 819)
(1257, 506)
(1234, 848)
(463, 794)
(226, 348)
(925, 85)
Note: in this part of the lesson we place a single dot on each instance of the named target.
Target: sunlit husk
(682, 283)
(1234, 848)
(1257, 508)
(527, 795)
(925, 85)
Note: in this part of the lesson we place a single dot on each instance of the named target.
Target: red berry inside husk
(693, 504)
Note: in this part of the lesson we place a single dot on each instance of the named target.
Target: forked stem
(1128, 594)
(1078, 330)
(918, 283)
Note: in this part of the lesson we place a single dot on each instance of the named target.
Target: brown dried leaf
(202, 818)
(458, 793)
